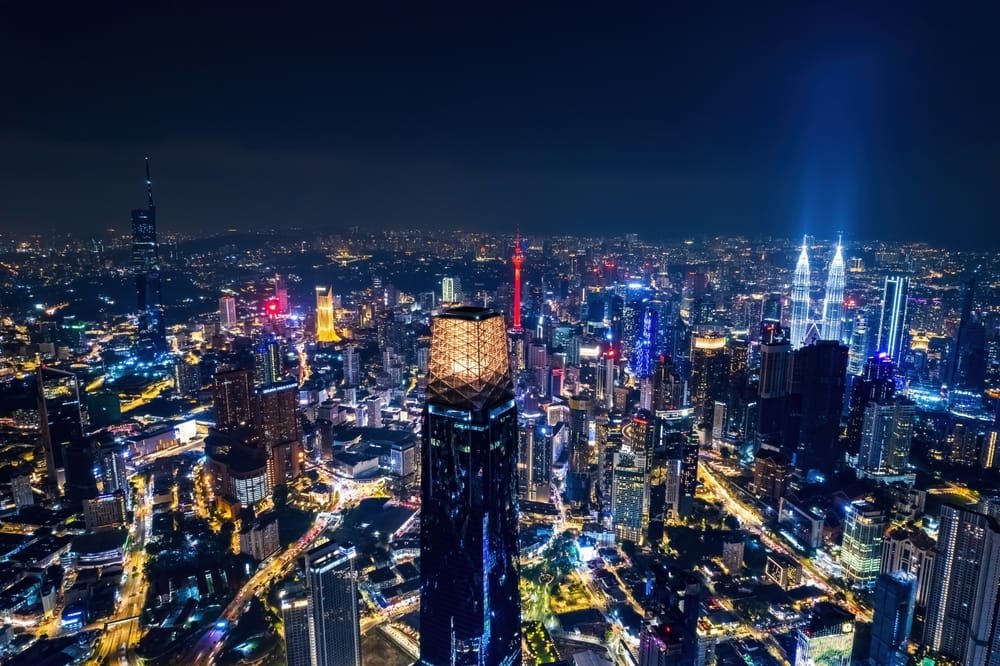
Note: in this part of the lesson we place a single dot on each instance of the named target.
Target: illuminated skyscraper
(281, 294)
(232, 398)
(326, 330)
(833, 303)
(227, 311)
(861, 550)
(267, 365)
(335, 633)
(886, 435)
(469, 600)
(296, 620)
(146, 268)
(892, 322)
(800, 299)
(709, 373)
(962, 611)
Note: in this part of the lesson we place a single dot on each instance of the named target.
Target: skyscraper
(886, 435)
(876, 383)
(326, 330)
(833, 303)
(800, 299)
(60, 417)
(232, 398)
(267, 363)
(709, 373)
(146, 268)
(820, 372)
(961, 614)
(352, 366)
(335, 631)
(578, 474)
(892, 321)
(296, 620)
(861, 550)
(894, 602)
(469, 598)
(227, 311)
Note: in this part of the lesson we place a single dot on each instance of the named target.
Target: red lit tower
(518, 261)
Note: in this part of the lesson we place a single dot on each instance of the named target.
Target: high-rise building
(627, 496)
(281, 294)
(833, 303)
(772, 390)
(227, 311)
(709, 373)
(278, 430)
(668, 387)
(296, 621)
(875, 383)
(578, 479)
(962, 612)
(81, 482)
(335, 630)
(20, 486)
(895, 594)
(892, 321)
(961, 358)
(826, 638)
(861, 549)
(146, 268)
(886, 435)
(451, 290)
(912, 551)
(60, 417)
(326, 330)
(107, 510)
(800, 299)
(232, 398)
(110, 457)
(352, 366)
(819, 374)
(469, 599)
(267, 363)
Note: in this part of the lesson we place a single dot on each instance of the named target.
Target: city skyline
(474, 336)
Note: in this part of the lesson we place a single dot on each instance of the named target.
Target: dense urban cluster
(342, 448)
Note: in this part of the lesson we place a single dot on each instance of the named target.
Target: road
(753, 522)
(123, 631)
(207, 648)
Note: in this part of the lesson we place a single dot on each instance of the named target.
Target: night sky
(755, 118)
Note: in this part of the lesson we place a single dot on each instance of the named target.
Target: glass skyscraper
(335, 633)
(470, 611)
(145, 266)
(892, 323)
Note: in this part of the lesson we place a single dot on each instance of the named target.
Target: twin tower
(803, 328)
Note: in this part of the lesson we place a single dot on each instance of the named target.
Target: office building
(895, 594)
(296, 621)
(20, 486)
(892, 320)
(800, 299)
(833, 302)
(912, 551)
(326, 330)
(861, 548)
(733, 545)
(267, 362)
(60, 417)
(352, 366)
(233, 398)
(335, 630)
(709, 373)
(875, 383)
(886, 435)
(578, 477)
(469, 599)
(826, 638)
(227, 311)
(819, 375)
(962, 612)
(104, 511)
(146, 269)
(772, 389)
(109, 454)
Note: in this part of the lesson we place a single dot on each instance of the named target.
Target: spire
(800, 298)
(149, 186)
(833, 302)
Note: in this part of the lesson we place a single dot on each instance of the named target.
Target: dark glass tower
(470, 611)
(146, 267)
